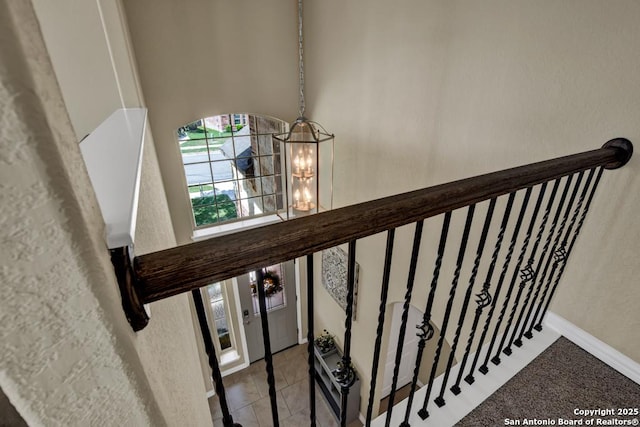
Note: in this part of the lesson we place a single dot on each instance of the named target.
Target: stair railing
(560, 190)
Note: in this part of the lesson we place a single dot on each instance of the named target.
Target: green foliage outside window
(212, 209)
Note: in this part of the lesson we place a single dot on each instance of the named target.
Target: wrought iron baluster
(452, 292)
(533, 274)
(227, 419)
(417, 237)
(463, 312)
(529, 307)
(527, 273)
(484, 298)
(310, 343)
(484, 369)
(518, 341)
(267, 346)
(538, 325)
(557, 254)
(425, 330)
(384, 291)
(345, 374)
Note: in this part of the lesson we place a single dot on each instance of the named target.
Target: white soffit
(113, 156)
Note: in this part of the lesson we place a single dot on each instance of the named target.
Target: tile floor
(248, 394)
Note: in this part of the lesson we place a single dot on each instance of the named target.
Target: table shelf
(325, 364)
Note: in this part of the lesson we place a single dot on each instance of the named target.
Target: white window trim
(218, 230)
(232, 227)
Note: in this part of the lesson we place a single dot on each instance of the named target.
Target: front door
(280, 290)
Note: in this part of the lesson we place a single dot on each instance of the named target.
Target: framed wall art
(334, 277)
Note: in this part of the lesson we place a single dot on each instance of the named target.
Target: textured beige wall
(69, 356)
(167, 346)
(434, 91)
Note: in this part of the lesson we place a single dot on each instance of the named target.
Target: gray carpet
(562, 379)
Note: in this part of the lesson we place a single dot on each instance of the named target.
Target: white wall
(73, 30)
(69, 355)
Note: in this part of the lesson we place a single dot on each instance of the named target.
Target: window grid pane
(232, 167)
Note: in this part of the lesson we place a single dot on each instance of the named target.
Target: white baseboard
(362, 419)
(235, 369)
(612, 357)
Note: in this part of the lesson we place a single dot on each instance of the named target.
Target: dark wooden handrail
(173, 271)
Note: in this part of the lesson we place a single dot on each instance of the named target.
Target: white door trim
(243, 338)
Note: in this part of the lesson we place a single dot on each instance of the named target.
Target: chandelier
(308, 155)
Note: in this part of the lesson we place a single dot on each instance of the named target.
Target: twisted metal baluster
(559, 254)
(527, 275)
(405, 315)
(538, 325)
(484, 369)
(381, 312)
(425, 330)
(452, 292)
(345, 375)
(484, 298)
(463, 312)
(518, 341)
(310, 343)
(227, 419)
(267, 346)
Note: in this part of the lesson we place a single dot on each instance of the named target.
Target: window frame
(278, 197)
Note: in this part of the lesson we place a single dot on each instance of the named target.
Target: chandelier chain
(301, 106)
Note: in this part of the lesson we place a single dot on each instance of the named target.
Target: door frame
(300, 336)
(240, 335)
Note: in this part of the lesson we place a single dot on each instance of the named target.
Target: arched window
(232, 166)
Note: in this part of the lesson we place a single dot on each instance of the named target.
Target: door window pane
(274, 284)
(216, 299)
